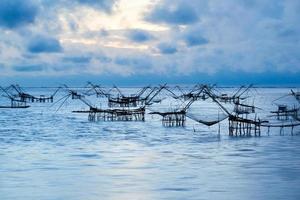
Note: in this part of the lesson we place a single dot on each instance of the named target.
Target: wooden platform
(172, 119)
(115, 114)
(244, 127)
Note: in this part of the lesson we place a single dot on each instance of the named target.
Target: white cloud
(235, 35)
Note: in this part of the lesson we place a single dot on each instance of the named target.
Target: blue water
(49, 155)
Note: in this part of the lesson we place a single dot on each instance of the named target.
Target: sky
(138, 42)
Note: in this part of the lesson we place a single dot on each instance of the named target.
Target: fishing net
(207, 112)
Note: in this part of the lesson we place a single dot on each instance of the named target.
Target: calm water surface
(48, 155)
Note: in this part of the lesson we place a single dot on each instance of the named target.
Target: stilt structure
(240, 126)
(122, 102)
(23, 96)
(14, 103)
(172, 119)
(176, 118)
(240, 108)
(95, 114)
(134, 100)
(225, 98)
(284, 113)
(244, 127)
(186, 96)
(96, 89)
(98, 114)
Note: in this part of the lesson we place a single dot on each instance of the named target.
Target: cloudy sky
(150, 41)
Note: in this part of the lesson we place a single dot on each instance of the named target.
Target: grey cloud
(104, 5)
(175, 12)
(16, 13)
(138, 35)
(138, 62)
(28, 68)
(167, 48)
(77, 59)
(44, 44)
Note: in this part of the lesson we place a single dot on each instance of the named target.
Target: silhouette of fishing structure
(236, 97)
(238, 123)
(241, 125)
(287, 115)
(239, 106)
(14, 103)
(73, 93)
(126, 113)
(242, 117)
(177, 117)
(133, 100)
(96, 90)
(285, 112)
(99, 114)
(192, 94)
(296, 95)
(19, 94)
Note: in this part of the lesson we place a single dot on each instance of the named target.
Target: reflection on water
(53, 156)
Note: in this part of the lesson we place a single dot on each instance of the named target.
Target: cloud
(138, 35)
(44, 44)
(16, 13)
(2, 66)
(104, 33)
(28, 68)
(137, 62)
(103, 58)
(167, 48)
(173, 12)
(77, 59)
(104, 5)
(194, 36)
(195, 39)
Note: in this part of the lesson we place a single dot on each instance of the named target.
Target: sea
(47, 152)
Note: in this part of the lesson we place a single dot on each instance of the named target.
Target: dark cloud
(15, 13)
(167, 48)
(195, 39)
(62, 67)
(2, 66)
(123, 61)
(28, 68)
(73, 25)
(77, 59)
(104, 59)
(178, 13)
(85, 59)
(44, 44)
(289, 34)
(138, 62)
(104, 5)
(138, 35)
